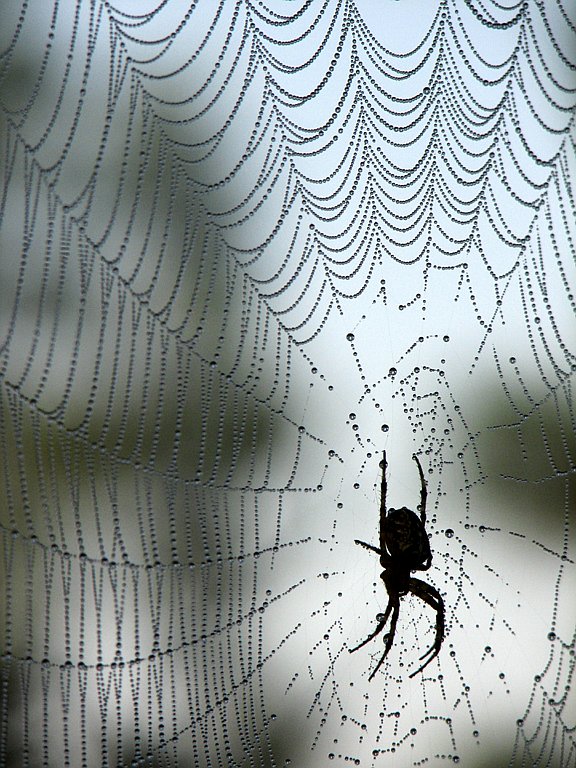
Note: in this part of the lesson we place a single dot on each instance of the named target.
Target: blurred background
(245, 248)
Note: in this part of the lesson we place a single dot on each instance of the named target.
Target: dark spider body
(404, 547)
(405, 538)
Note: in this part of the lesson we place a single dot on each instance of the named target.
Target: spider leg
(383, 489)
(379, 628)
(389, 637)
(431, 596)
(385, 558)
(425, 565)
(368, 546)
(423, 491)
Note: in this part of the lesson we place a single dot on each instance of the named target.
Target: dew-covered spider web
(247, 246)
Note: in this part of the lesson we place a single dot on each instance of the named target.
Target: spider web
(246, 247)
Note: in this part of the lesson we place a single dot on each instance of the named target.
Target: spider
(404, 547)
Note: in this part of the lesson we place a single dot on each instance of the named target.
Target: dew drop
(392, 372)
(384, 427)
(449, 533)
(551, 635)
(350, 336)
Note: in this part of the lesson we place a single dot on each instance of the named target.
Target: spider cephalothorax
(404, 547)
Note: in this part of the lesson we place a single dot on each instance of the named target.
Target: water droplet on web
(350, 336)
(551, 635)
(384, 427)
(449, 533)
(392, 372)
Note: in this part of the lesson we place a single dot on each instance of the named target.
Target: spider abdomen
(406, 539)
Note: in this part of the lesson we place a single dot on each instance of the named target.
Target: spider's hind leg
(390, 636)
(380, 626)
(432, 597)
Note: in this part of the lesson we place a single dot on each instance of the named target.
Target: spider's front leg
(368, 546)
(423, 491)
(383, 489)
(385, 558)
